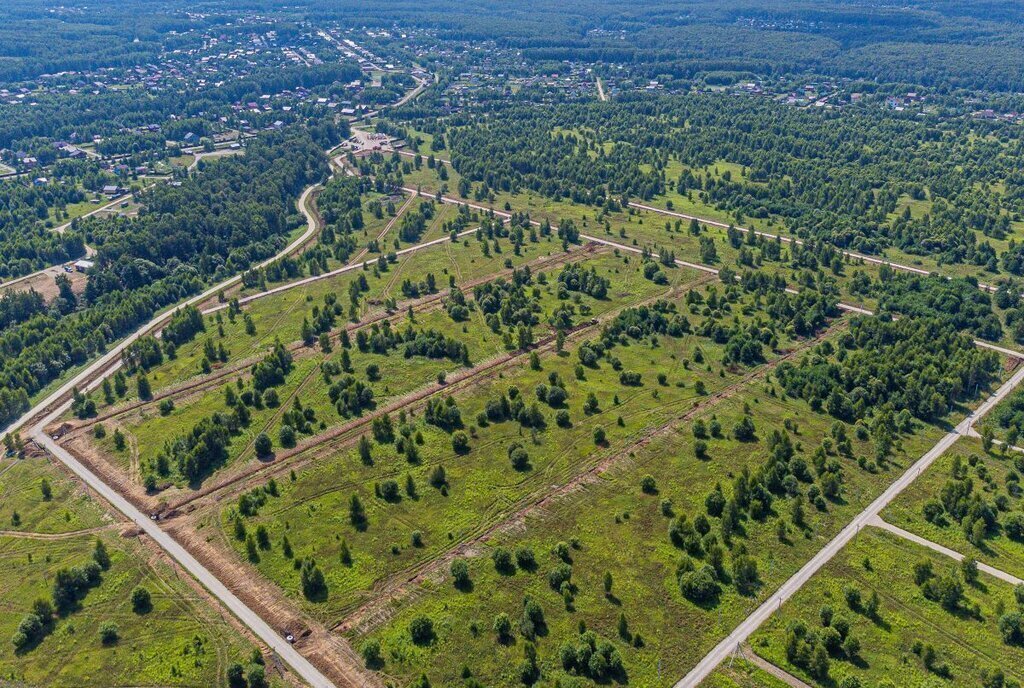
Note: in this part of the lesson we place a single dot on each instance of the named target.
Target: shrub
(263, 445)
(502, 627)
(371, 654)
(142, 602)
(1011, 627)
(525, 558)
(502, 559)
(421, 630)
(286, 435)
(460, 574)
(108, 633)
(460, 442)
(389, 491)
(314, 586)
(699, 586)
(518, 456)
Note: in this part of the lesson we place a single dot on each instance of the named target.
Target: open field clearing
(147, 427)
(172, 638)
(612, 526)
(910, 639)
(44, 500)
(741, 673)
(816, 266)
(483, 481)
(351, 562)
(969, 501)
(697, 203)
(372, 479)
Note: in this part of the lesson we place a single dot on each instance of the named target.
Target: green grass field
(619, 529)
(966, 641)
(991, 477)
(179, 641)
(147, 429)
(611, 523)
(741, 673)
(279, 317)
(68, 507)
(652, 230)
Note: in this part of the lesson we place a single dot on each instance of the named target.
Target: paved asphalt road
(878, 522)
(83, 378)
(273, 638)
(866, 517)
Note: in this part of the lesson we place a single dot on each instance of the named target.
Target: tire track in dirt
(380, 235)
(421, 305)
(397, 586)
(343, 436)
(28, 535)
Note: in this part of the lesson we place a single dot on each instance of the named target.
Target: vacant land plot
(969, 501)
(145, 429)
(879, 592)
(479, 480)
(816, 266)
(38, 499)
(373, 540)
(44, 282)
(100, 632)
(612, 525)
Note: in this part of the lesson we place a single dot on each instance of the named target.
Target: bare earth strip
(385, 594)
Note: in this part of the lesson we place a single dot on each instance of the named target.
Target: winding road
(58, 402)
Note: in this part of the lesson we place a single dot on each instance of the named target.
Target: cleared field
(543, 475)
(386, 562)
(613, 526)
(36, 498)
(481, 485)
(176, 639)
(892, 645)
(991, 477)
(855, 281)
(147, 427)
(279, 317)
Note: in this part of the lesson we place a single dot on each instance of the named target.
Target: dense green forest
(837, 176)
(934, 42)
(26, 243)
(213, 224)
